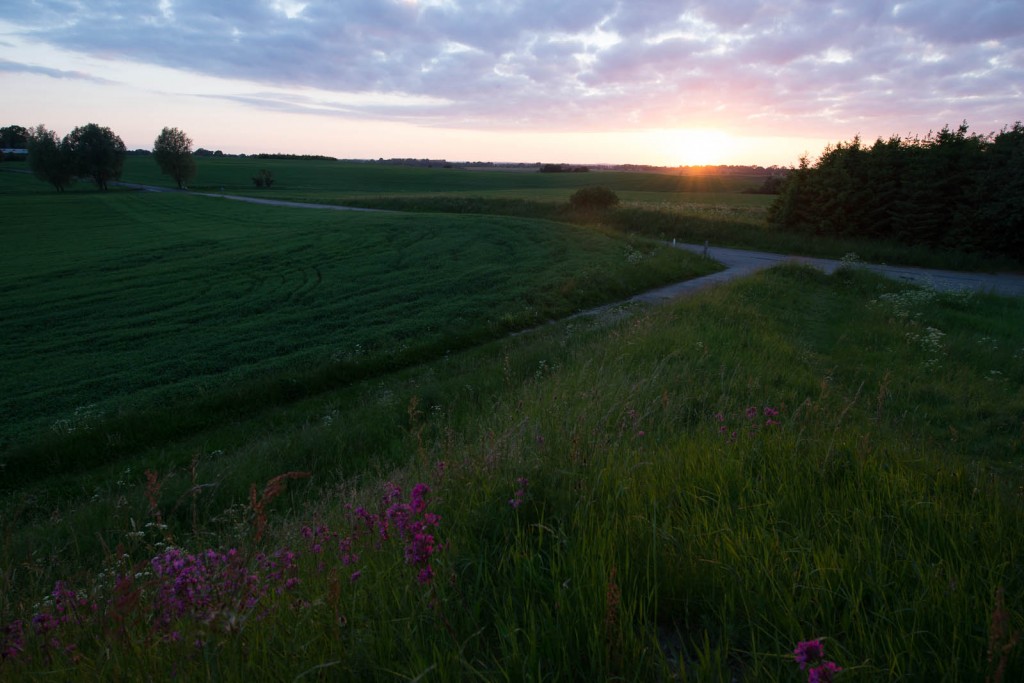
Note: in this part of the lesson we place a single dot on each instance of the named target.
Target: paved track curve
(740, 262)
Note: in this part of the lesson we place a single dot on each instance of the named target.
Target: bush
(263, 179)
(593, 199)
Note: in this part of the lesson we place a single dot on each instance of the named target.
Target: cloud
(800, 65)
(16, 67)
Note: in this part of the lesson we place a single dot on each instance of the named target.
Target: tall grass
(685, 493)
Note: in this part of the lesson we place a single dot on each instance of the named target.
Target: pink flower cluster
(810, 656)
(12, 639)
(218, 592)
(410, 522)
(211, 586)
(517, 498)
(65, 606)
(753, 422)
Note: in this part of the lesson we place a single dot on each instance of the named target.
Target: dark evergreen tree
(793, 209)
(1001, 210)
(952, 189)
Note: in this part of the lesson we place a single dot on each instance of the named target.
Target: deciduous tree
(98, 153)
(15, 137)
(172, 151)
(49, 158)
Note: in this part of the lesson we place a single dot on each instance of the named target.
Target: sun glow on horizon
(697, 147)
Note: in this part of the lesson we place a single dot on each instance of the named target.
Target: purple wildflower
(416, 498)
(807, 652)
(12, 639)
(810, 655)
(517, 498)
(425, 576)
(419, 549)
(823, 673)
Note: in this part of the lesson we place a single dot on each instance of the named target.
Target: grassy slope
(665, 527)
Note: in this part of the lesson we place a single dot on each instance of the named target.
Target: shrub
(263, 179)
(593, 199)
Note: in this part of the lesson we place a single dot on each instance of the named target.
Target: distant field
(123, 297)
(326, 180)
(420, 189)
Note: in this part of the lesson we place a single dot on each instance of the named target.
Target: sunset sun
(697, 147)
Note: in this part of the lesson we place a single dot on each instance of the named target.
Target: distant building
(14, 152)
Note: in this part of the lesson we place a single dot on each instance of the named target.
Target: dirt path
(243, 198)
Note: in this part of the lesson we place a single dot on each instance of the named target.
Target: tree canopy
(50, 159)
(172, 151)
(14, 137)
(951, 189)
(98, 153)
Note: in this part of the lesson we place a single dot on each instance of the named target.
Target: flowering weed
(810, 657)
(747, 423)
(212, 596)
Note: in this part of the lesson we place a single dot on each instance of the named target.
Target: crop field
(334, 181)
(121, 299)
(696, 208)
(374, 178)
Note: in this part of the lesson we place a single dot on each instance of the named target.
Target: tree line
(96, 152)
(952, 189)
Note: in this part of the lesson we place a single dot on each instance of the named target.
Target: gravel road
(740, 262)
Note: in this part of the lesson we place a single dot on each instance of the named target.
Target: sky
(580, 81)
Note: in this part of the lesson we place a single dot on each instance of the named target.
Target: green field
(347, 179)
(120, 299)
(415, 188)
(302, 443)
(719, 209)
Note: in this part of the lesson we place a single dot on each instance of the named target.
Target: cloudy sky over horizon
(638, 81)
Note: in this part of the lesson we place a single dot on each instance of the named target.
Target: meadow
(791, 477)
